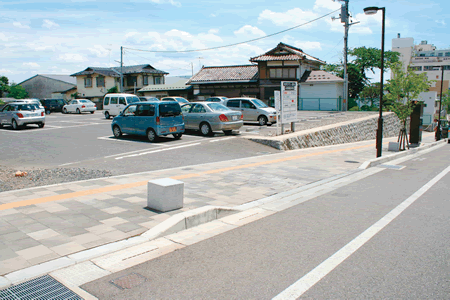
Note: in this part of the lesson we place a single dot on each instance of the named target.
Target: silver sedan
(19, 114)
(209, 117)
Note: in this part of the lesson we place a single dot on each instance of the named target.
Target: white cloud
(6, 71)
(72, 57)
(328, 5)
(174, 3)
(31, 65)
(213, 31)
(3, 37)
(99, 51)
(213, 15)
(20, 25)
(293, 16)
(249, 30)
(442, 22)
(49, 24)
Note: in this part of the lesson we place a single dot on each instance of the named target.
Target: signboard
(289, 100)
(277, 97)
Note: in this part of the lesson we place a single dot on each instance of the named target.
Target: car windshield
(218, 107)
(182, 100)
(132, 99)
(169, 109)
(259, 103)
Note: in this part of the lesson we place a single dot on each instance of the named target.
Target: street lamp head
(371, 10)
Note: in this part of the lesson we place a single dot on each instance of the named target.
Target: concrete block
(165, 194)
(4, 283)
(393, 146)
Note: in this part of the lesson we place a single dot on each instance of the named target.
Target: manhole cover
(129, 281)
(352, 162)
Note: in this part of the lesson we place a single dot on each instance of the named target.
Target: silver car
(17, 114)
(218, 99)
(210, 116)
(180, 100)
(254, 110)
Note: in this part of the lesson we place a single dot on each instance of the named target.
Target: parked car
(114, 104)
(254, 110)
(219, 99)
(153, 119)
(53, 105)
(148, 98)
(180, 100)
(211, 116)
(80, 105)
(32, 101)
(17, 114)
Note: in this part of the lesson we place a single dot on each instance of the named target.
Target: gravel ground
(41, 177)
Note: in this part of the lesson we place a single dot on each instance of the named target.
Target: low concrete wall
(341, 133)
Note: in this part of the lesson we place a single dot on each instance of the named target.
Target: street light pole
(438, 129)
(379, 143)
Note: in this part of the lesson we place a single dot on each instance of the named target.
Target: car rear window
(169, 109)
(218, 107)
(26, 107)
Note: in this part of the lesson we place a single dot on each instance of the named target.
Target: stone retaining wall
(348, 132)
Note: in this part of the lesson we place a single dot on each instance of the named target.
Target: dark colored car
(52, 105)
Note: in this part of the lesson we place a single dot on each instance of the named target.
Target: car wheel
(228, 132)
(14, 125)
(107, 116)
(65, 111)
(117, 132)
(262, 120)
(92, 112)
(151, 135)
(47, 112)
(1, 125)
(205, 129)
(177, 136)
(78, 111)
(41, 125)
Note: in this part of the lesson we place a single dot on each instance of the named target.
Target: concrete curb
(380, 160)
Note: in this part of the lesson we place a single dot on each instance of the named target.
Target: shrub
(354, 108)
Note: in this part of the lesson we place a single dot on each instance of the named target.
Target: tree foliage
(361, 60)
(371, 92)
(114, 89)
(4, 85)
(404, 89)
(17, 91)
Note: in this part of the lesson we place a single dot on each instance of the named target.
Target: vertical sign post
(277, 97)
(289, 100)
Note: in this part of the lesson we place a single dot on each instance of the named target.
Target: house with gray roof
(94, 82)
(42, 86)
(228, 81)
(174, 86)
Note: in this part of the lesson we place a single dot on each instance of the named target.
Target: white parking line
(224, 139)
(159, 150)
(306, 282)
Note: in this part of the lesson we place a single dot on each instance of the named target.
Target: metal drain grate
(129, 281)
(43, 288)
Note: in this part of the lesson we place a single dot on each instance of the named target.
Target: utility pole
(121, 69)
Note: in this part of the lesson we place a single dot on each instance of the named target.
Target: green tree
(371, 92)
(446, 101)
(4, 85)
(17, 91)
(403, 92)
(114, 89)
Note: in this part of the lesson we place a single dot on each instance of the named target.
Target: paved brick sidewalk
(66, 218)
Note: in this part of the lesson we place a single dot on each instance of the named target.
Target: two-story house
(93, 83)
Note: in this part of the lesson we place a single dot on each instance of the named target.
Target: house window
(157, 80)
(415, 68)
(88, 82)
(440, 54)
(131, 80)
(145, 82)
(282, 73)
(447, 53)
(446, 67)
(428, 68)
(100, 81)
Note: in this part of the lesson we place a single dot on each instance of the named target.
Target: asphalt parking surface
(86, 140)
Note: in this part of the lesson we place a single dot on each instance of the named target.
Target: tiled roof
(180, 84)
(115, 71)
(245, 73)
(285, 52)
(64, 78)
(321, 76)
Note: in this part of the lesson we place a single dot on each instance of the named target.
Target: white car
(79, 105)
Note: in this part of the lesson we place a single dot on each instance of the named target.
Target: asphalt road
(409, 258)
(86, 141)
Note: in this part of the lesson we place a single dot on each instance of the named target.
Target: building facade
(42, 86)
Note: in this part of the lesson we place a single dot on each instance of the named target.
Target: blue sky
(64, 37)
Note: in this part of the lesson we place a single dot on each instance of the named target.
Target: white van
(113, 104)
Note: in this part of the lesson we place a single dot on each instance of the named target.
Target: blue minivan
(152, 119)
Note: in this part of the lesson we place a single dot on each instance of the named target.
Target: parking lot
(86, 140)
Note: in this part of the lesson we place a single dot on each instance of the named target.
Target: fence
(325, 104)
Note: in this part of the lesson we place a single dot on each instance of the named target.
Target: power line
(235, 44)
